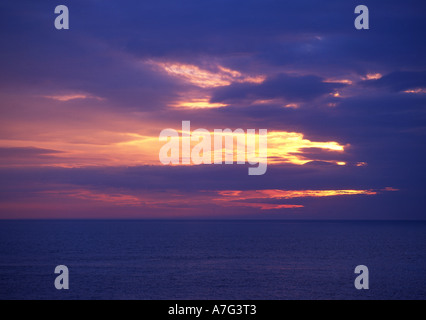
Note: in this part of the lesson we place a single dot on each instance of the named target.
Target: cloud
(202, 78)
(242, 64)
(25, 152)
(19, 156)
(289, 87)
(399, 81)
(171, 192)
(69, 97)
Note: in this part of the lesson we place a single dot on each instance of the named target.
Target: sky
(82, 109)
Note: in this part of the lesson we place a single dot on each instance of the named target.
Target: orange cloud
(224, 198)
(287, 194)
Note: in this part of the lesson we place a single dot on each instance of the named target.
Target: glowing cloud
(203, 103)
(343, 81)
(132, 149)
(292, 105)
(286, 147)
(372, 76)
(204, 78)
(416, 91)
(288, 194)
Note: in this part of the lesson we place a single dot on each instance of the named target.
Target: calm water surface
(212, 259)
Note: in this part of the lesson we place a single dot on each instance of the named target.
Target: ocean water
(212, 259)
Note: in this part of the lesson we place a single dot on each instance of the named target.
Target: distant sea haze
(241, 260)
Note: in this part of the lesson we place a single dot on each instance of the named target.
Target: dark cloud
(35, 184)
(27, 156)
(25, 152)
(399, 81)
(291, 88)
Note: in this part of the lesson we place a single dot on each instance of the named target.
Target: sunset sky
(82, 109)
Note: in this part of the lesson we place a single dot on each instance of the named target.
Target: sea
(212, 260)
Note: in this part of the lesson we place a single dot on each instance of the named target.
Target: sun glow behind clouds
(283, 148)
(131, 149)
(286, 147)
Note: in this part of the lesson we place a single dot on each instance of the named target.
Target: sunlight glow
(286, 147)
(132, 149)
(199, 104)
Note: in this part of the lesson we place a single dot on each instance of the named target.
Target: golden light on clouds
(286, 147)
(361, 164)
(195, 75)
(416, 91)
(203, 103)
(277, 101)
(342, 81)
(292, 105)
(247, 198)
(205, 78)
(132, 149)
(372, 76)
(102, 149)
(289, 194)
(283, 147)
